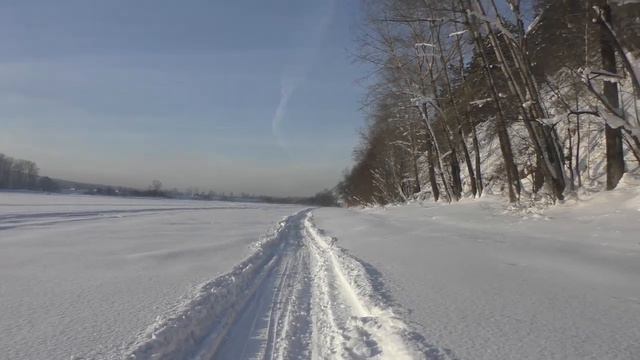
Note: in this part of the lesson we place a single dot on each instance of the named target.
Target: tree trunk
(538, 175)
(467, 160)
(454, 164)
(458, 121)
(501, 127)
(414, 161)
(455, 191)
(476, 150)
(544, 137)
(416, 187)
(455, 175)
(432, 174)
(570, 157)
(613, 137)
(436, 149)
(475, 178)
(578, 143)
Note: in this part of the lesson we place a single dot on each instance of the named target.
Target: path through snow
(298, 297)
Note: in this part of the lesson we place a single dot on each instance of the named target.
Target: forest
(533, 100)
(22, 174)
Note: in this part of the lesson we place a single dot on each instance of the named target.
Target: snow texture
(485, 283)
(624, 2)
(80, 276)
(297, 296)
(457, 33)
(102, 278)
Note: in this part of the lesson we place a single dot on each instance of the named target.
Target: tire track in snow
(298, 297)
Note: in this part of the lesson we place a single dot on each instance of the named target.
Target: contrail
(286, 89)
(295, 73)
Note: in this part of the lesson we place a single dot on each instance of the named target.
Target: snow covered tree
(452, 78)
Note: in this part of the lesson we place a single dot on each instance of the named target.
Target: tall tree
(615, 154)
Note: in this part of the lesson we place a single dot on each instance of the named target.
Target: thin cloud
(286, 90)
(296, 72)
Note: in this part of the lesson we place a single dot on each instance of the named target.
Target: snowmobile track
(298, 297)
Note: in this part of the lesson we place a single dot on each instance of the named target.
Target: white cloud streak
(296, 72)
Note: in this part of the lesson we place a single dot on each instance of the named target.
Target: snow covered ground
(107, 278)
(489, 285)
(82, 275)
(297, 297)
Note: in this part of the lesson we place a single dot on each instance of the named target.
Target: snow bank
(374, 319)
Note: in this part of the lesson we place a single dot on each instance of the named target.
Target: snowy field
(82, 275)
(108, 278)
(489, 285)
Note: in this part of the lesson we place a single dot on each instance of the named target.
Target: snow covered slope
(82, 275)
(490, 285)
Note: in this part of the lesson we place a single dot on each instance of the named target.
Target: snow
(533, 24)
(457, 33)
(423, 44)
(480, 103)
(372, 328)
(82, 275)
(527, 104)
(634, 62)
(111, 278)
(209, 314)
(625, 2)
(298, 296)
(601, 75)
(616, 122)
(482, 283)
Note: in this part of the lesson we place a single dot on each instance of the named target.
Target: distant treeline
(23, 174)
(122, 191)
(322, 198)
(19, 174)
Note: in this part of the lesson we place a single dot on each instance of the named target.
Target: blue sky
(253, 96)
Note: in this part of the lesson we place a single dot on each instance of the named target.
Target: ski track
(299, 296)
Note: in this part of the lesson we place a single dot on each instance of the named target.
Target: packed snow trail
(298, 297)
